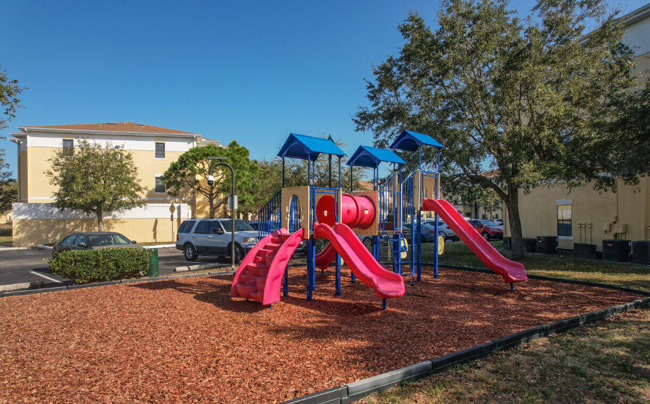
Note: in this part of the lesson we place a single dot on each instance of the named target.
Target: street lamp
(221, 162)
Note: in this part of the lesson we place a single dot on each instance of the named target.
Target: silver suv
(213, 237)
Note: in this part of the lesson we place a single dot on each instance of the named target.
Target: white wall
(23, 211)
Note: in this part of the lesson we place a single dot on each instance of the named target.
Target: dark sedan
(92, 240)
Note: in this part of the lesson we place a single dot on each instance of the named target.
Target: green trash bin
(153, 263)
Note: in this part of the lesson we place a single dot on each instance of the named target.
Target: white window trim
(154, 186)
(154, 150)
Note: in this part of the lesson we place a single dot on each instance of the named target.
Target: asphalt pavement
(21, 269)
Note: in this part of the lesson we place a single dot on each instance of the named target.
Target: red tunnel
(358, 211)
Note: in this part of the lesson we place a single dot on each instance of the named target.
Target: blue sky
(252, 71)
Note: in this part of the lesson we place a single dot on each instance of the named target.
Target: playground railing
(313, 194)
(389, 205)
(269, 218)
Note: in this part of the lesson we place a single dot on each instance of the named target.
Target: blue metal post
(383, 304)
(311, 267)
(419, 252)
(338, 275)
(512, 287)
(282, 171)
(286, 282)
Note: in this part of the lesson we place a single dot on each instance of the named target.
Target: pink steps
(252, 278)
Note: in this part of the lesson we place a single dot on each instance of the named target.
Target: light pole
(220, 162)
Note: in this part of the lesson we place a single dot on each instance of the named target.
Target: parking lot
(29, 265)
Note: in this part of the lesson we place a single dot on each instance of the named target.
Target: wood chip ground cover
(186, 340)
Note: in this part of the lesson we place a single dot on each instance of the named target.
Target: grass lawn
(604, 362)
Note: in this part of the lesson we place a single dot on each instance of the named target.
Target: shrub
(101, 265)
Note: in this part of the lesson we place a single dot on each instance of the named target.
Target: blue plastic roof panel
(308, 147)
(411, 141)
(366, 156)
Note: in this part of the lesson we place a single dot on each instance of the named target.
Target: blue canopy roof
(366, 156)
(308, 147)
(411, 141)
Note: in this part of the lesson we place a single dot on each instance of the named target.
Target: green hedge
(101, 265)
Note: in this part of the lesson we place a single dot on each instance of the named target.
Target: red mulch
(186, 340)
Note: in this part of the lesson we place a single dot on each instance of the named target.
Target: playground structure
(309, 212)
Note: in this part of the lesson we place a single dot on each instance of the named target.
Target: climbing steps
(259, 274)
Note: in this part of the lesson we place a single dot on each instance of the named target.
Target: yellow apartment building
(584, 215)
(35, 221)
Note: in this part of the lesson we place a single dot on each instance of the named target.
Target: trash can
(153, 263)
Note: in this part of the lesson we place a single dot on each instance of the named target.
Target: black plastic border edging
(61, 288)
(548, 278)
(361, 388)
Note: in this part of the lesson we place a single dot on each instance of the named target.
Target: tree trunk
(211, 200)
(512, 202)
(100, 221)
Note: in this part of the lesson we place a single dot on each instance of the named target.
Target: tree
(192, 168)
(9, 92)
(95, 180)
(532, 98)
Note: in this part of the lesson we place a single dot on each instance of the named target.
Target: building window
(160, 186)
(564, 221)
(68, 146)
(160, 150)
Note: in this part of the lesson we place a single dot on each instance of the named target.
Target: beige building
(583, 215)
(35, 221)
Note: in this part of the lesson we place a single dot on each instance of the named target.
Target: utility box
(616, 250)
(641, 252)
(620, 228)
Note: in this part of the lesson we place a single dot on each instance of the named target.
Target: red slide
(326, 256)
(386, 284)
(511, 271)
(259, 275)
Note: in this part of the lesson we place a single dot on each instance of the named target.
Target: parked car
(93, 240)
(428, 232)
(197, 237)
(449, 233)
(499, 222)
(487, 228)
(254, 224)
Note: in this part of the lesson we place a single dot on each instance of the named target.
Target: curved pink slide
(326, 256)
(511, 271)
(259, 276)
(386, 284)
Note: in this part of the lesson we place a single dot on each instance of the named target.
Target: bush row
(101, 265)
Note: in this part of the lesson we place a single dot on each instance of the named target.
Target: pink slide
(326, 256)
(511, 271)
(259, 276)
(386, 284)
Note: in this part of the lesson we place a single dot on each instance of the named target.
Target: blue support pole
(375, 247)
(310, 267)
(419, 261)
(286, 282)
(282, 171)
(338, 275)
(512, 287)
(396, 246)
(383, 304)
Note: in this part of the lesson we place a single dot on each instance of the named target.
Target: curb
(361, 388)
(15, 286)
(185, 268)
(13, 248)
(149, 247)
